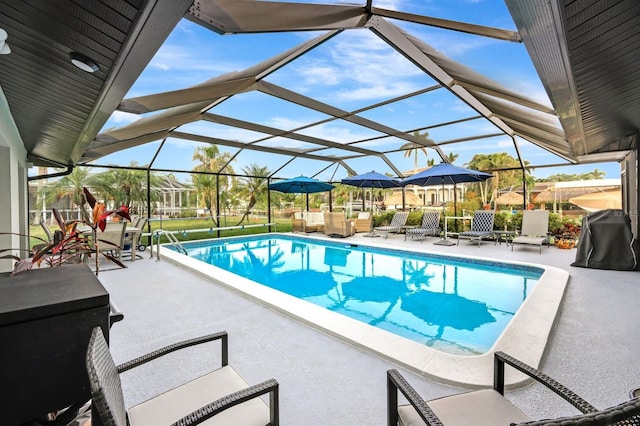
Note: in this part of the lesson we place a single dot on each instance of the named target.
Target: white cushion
(529, 240)
(480, 408)
(171, 406)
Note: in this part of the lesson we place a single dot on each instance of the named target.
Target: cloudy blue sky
(350, 71)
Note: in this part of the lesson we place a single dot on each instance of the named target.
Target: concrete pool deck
(326, 381)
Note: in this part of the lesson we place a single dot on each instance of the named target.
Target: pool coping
(525, 337)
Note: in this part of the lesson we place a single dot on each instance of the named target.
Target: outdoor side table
(507, 236)
(46, 318)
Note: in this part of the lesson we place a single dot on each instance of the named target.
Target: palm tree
(412, 148)
(126, 187)
(71, 186)
(253, 186)
(206, 183)
(595, 174)
(451, 157)
(491, 162)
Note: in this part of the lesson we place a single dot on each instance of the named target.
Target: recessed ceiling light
(82, 62)
(4, 47)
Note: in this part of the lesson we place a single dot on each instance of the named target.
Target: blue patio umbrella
(372, 180)
(445, 173)
(301, 184)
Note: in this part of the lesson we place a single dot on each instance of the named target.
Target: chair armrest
(202, 414)
(501, 358)
(114, 314)
(396, 382)
(180, 345)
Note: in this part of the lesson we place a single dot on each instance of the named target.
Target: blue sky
(352, 70)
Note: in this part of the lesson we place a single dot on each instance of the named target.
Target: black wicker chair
(489, 407)
(222, 393)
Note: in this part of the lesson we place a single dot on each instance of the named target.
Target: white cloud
(122, 118)
(173, 57)
(359, 66)
(377, 91)
(321, 74)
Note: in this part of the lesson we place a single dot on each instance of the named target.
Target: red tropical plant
(69, 245)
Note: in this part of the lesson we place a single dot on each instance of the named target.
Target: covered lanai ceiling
(581, 50)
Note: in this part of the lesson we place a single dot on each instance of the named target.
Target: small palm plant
(69, 245)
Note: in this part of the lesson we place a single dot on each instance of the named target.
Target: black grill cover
(606, 242)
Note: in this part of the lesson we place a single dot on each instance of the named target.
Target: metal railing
(158, 233)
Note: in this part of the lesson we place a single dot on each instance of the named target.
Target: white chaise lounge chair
(535, 225)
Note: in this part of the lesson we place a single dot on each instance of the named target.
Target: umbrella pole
(445, 241)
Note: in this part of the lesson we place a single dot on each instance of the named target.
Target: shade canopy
(445, 173)
(601, 200)
(372, 180)
(510, 198)
(301, 184)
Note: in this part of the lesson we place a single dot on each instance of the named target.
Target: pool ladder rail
(172, 240)
(180, 248)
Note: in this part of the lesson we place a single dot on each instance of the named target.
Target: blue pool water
(453, 305)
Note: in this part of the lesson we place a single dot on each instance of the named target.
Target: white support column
(14, 215)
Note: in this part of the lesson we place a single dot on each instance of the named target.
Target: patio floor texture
(324, 381)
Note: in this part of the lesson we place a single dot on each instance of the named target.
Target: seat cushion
(171, 406)
(529, 240)
(480, 408)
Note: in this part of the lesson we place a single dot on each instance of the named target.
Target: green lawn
(283, 225)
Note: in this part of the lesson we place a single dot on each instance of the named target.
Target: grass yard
(180, 225)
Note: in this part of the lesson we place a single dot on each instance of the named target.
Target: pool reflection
(449, 304)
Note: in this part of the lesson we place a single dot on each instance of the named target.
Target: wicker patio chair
(221, 397)
(363, 222)
(430, 226)
(482, 226)
(337, 225)
(489, 407)
(397, 222)
(535, 225)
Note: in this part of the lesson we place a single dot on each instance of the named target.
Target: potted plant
(566, 236)
(69, 244)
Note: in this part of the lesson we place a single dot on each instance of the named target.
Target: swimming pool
(449, 304)
(396, 326)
